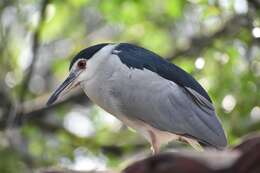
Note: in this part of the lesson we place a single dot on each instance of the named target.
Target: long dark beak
(65, 87)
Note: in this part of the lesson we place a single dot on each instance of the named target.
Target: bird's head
(81, 69)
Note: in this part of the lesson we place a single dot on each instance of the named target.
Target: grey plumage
(147, 93)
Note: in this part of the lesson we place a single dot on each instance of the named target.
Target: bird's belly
(145, 130)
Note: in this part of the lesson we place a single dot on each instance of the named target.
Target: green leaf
(175, 7)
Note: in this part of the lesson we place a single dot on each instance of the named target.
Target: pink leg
(155, 145)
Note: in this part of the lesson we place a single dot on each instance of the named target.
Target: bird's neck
(99, 88)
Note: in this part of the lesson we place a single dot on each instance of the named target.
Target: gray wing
(193, 117)
(170, 107)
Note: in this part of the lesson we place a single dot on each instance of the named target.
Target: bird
(147, 93)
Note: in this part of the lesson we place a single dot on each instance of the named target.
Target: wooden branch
(35, 47)
(41, 109)
(198, 44)
(254, 3)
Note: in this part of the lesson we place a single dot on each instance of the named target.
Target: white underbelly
(145, 130)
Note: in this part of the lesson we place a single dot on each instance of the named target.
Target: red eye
(82, 64)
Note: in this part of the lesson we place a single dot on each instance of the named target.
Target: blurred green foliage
(215, 40)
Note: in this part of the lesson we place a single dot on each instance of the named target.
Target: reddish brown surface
(247, 162)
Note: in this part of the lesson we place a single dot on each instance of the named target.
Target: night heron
(147, 93)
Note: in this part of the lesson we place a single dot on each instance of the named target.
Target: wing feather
(168, 107)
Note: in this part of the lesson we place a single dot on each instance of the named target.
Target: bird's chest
(99, 90)
(112, 92)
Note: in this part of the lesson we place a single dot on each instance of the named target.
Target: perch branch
(197, 44)
(35, 48)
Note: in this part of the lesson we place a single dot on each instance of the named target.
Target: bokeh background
(217, 41)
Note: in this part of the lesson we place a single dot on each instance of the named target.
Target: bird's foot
(155, 146)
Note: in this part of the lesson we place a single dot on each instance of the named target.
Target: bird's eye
(82, 64)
